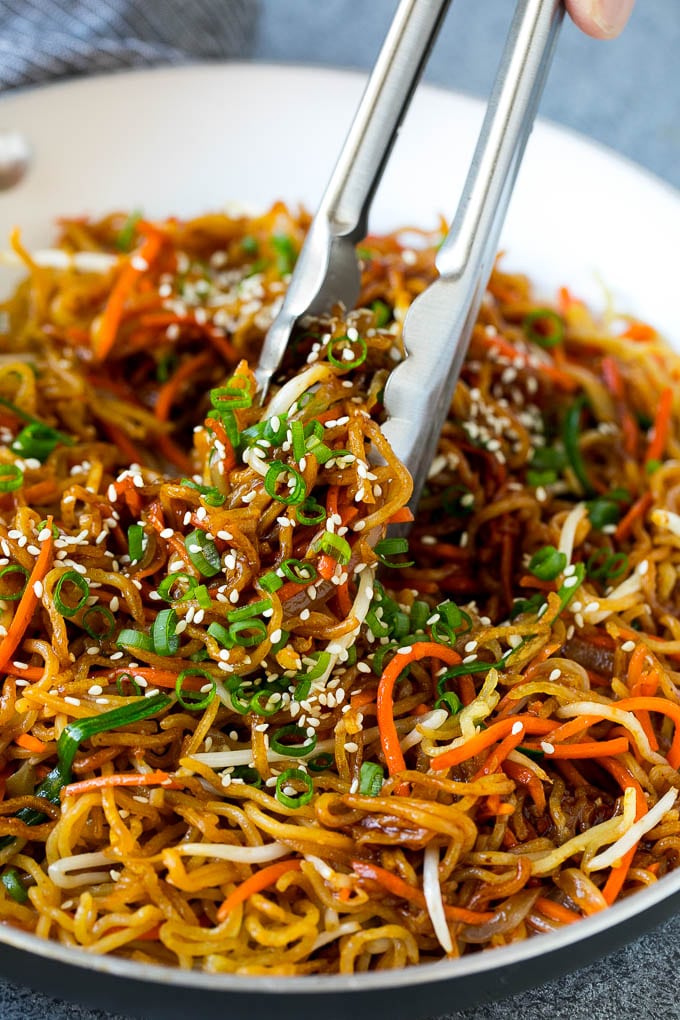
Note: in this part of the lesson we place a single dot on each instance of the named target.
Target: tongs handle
(327, 269)
(439, 323)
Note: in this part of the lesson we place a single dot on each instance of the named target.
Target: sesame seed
(167, 533)
(72, 701)
(628, 646)
(555, 674)
(20, 665)
(95, 689)
(517, 727)
(547, 748)
(351, 746)
(38, 589)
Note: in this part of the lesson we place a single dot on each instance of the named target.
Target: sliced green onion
(25, 416)
(343, 344)
(539, 478)
(310, 512)
(455, 500)
(201, 595)
(232, 397)
(382, 312)
(247, 775)
(544, 327)
(607, 509)
(210, 494)
(371, 779)
(388, 547)
(240, 700)
(296, 776)
(314, 429)
(221, 635)
(305, 680)
(129, 638)
(75, 732)
(36, 440)
(248, 633)
(420, 614)
(249, 245)
(194, 701)
(605, 566)
(129, 679)
(337, 547)
(13, 568)
(283, 640)
(54, 529)
(259, 703)
(321, 451)
(549, 458)
(105, 616)
(249, 611)
(462, 670)
(14, 886)
(450, 701)
(296, 492)
(571, 431)
(297, 435)
(271, 581)
(167, 363)
(203, 553)
(530, 605)
(164, 633)
(652, 465)
(167, 585)
(548, 563)
(299, 571)
(282, 745)
(451, 622)
(135, 536)
(321, 762)
(286, 254)
(79, 582)
(11, 478)
(228, 420)
(127, 232)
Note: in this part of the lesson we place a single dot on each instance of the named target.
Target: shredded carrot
(170, 391)
(662, 426)
(496, 731)
(556, 911)
(664, 706)
(636, 512)
(468, 692)
(612, 377)
(389, 738)
(364, 698)
(28, 601)
(30, 743)
(41, 492)
(639, 331)
(158, 677)
(525, 777)
(105, 336)
(421, 709)
(156, 778)
(624, 778)
(498, 756)
(590, 749)
(398, 887)
(121, 439)
(555, 375)
(343, 598)
(403, 516)
(326, 566)
(573, 727)
(27, 672)
(260, 880)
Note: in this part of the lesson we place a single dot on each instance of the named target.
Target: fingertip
(600, 19)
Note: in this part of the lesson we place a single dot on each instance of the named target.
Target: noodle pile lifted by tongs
(242, 729)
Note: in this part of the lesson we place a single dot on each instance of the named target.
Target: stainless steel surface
(327, 271)
(15, 159)
(439, 323)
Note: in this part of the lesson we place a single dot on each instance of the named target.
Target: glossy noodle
(244, 728)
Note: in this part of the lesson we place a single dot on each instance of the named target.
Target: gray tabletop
(625, 94)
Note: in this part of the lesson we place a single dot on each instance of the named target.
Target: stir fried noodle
(244, 729)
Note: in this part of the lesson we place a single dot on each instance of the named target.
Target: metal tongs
(438, 325)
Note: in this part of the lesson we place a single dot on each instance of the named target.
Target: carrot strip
(326, 566)
(158, 677)
(497, 757)
(637, 511)
(169, 392)
(468, 691)
(398, 887)
(639, 331)
(497, 731)
(156, 778)
(556, 911)
(28, 602)
(30, 743)
(525, 777)
(27, 672)
(262, 879)
(589, 749)
(121, 439)
(573, 727)
(662, 426)
(105, 336)
(664, 706)
(403, 516)
(624, 778)
(389, 738)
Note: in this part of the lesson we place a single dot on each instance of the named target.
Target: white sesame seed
(547, 748)
(167, 533)
(38, 589)
(555, 674)
(71, 701)
(628, 646)
(517, 727)
(95, 689)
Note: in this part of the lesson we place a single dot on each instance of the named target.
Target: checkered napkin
(46, 39)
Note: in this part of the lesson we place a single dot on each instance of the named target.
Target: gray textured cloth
(44, 39)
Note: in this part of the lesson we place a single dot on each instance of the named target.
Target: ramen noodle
(245, 728)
